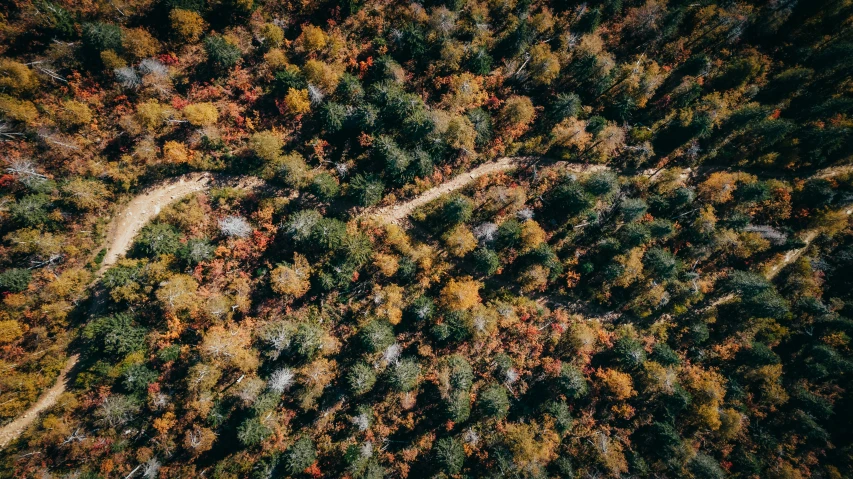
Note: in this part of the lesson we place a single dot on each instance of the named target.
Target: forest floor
(147, 205)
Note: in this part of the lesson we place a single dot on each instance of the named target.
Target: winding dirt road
(146, 206)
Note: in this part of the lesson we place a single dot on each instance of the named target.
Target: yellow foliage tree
(74, 113)
(139, 44)
(294, 280)
(532, 235)
(321, 74)
(178, 293)
(460, 294)
(201, 114)
(175, 153)
(387, 264)
(296, 102)
(18, 110)
(230, 346)
(460, 241)
(312, 39)
(388, 302)
(617, 383)
(16, 77)
(188, 25)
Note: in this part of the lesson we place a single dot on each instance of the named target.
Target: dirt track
(146, 206)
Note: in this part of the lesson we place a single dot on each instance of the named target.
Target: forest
(447, 239)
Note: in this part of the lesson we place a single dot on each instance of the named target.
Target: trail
(144, 207)
(14, 429)
(396, 213)
(123, 228)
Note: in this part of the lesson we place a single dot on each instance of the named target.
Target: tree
(99, 37)
(188, 25)
(517, 112)
(16, 77)
(115, 335)
(702, 466)
(201, 114)
(293, 280)
(221, 54)
(253, 432)
(366, 189)
(493, 401)
(312, 39)
(544, 64)
(296, 102)
(23, 111)
(460, 241)
(405, 375)
(460, 295)
(619, 384)
(455, 210)
(300, 455)
(229, 347)
(661, 263)
(281, 380)
(178, 293)
(449, 455)
(361, 379)
(175, 153)
(74, 114)
(486, 261)
(15, 280)
(139, 44)
(266, 145)
(290, 169)
(325, 186)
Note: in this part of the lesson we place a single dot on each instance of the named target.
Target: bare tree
(281, 380)
(127, 77)
(235, 226)
(25, 171)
